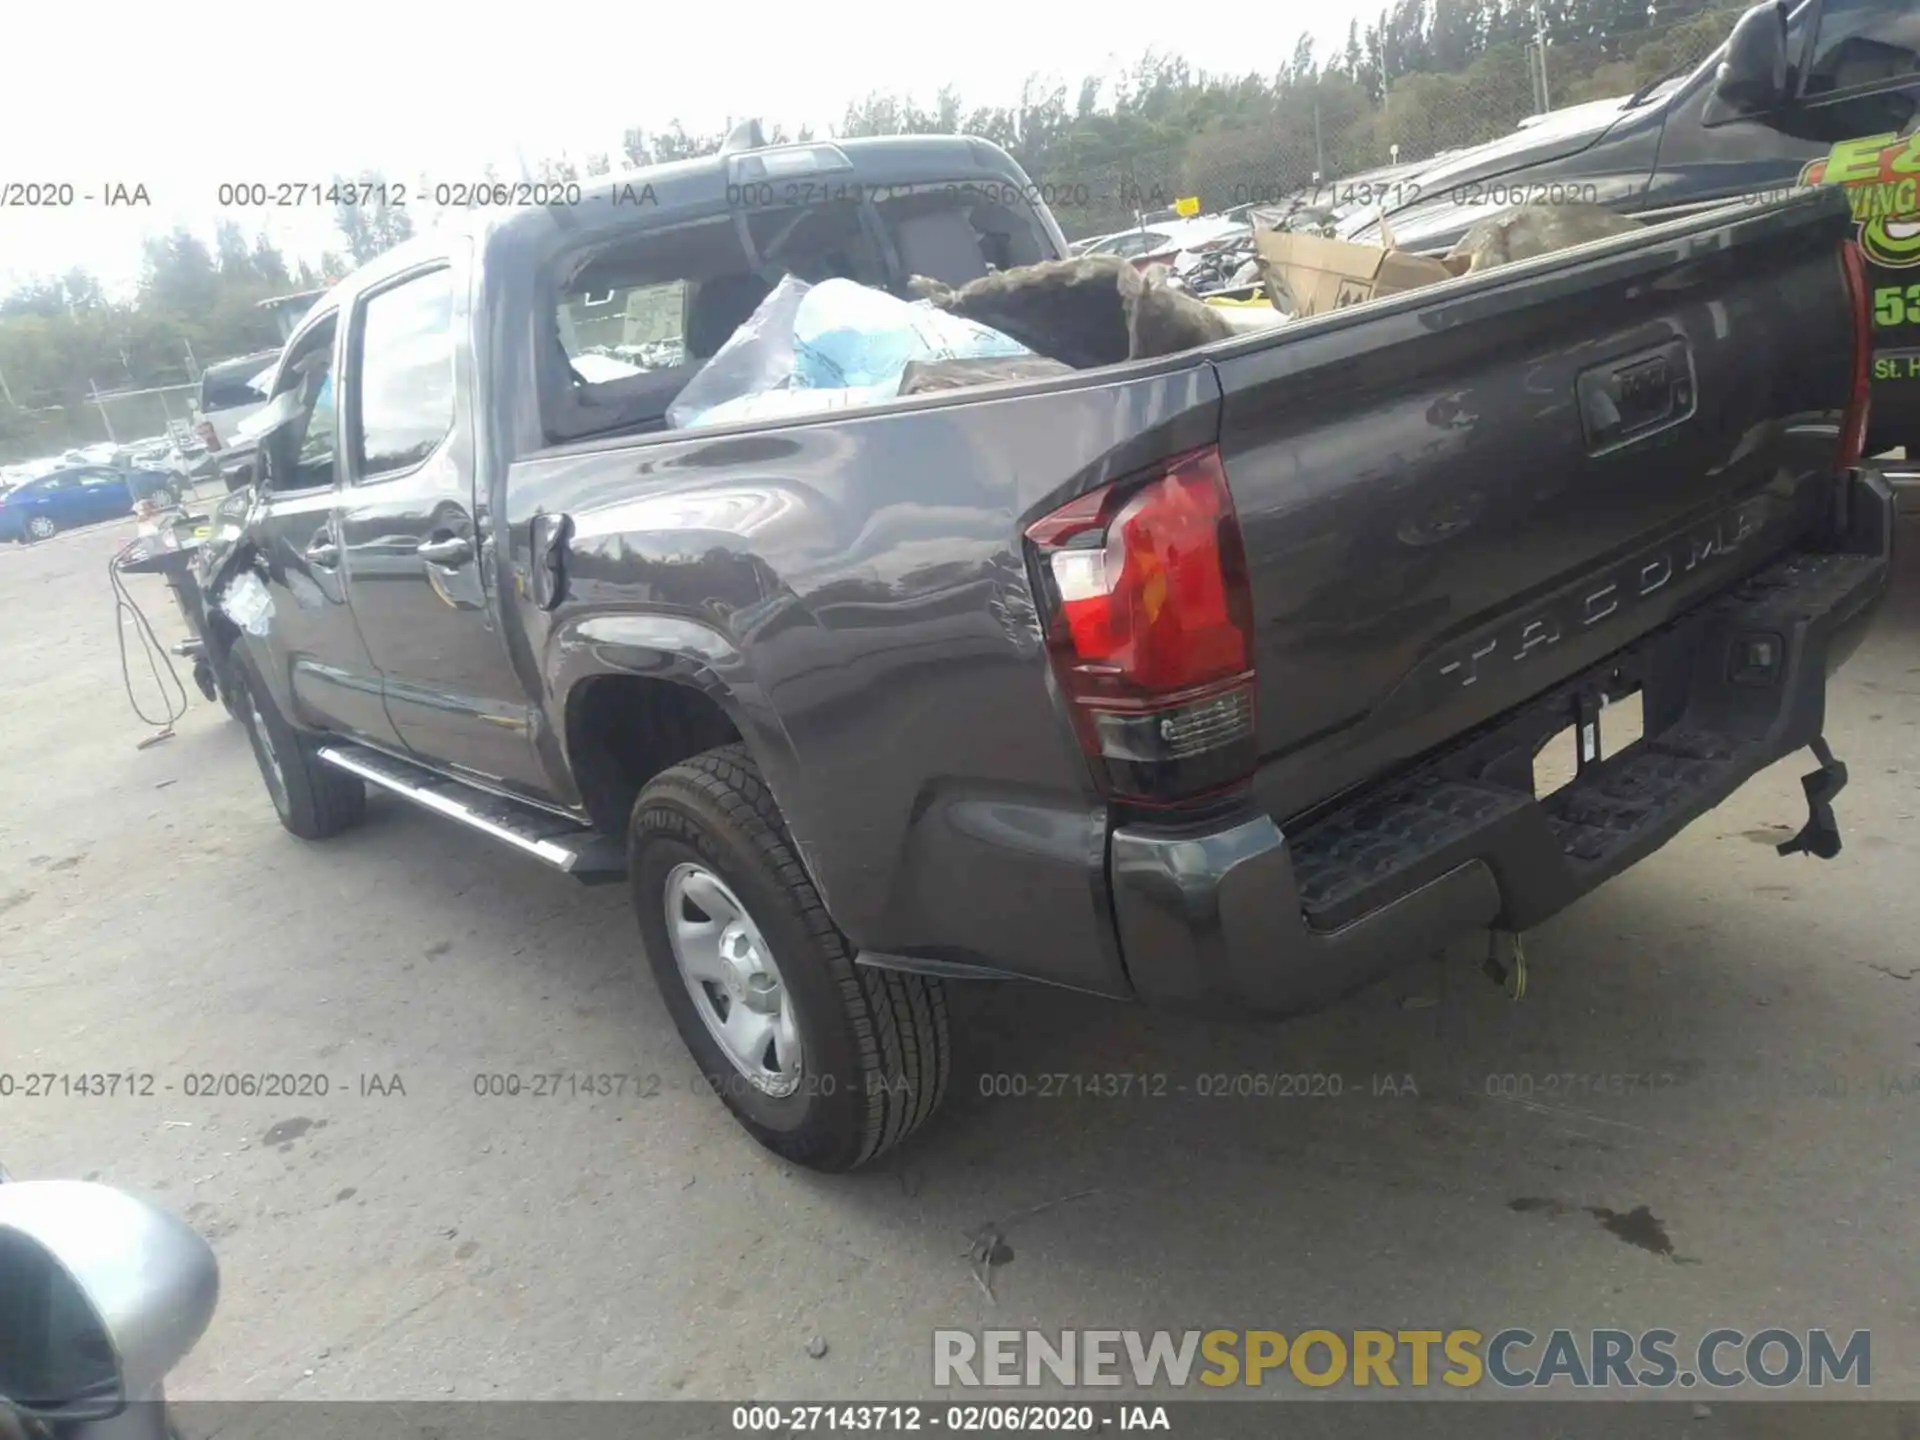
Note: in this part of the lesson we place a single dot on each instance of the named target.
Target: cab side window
(405, 391)
(1863, 43)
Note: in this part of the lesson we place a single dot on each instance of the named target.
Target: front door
(323, 673)
(413, 540)
(103, 494)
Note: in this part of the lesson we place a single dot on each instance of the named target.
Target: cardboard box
(1322, 275)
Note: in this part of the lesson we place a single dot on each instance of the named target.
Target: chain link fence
(111, 416)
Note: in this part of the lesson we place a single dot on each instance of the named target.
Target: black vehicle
(1211, 680)
(1823, 92)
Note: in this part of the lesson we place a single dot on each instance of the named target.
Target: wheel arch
(635, 694)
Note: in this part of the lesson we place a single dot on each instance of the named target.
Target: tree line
(1424, 76)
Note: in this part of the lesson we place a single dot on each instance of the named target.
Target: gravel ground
(402, 1236)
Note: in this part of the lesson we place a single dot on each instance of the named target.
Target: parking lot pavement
(1703, 1113)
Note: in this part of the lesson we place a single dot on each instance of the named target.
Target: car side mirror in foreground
(1752, 78)
(101, 1295)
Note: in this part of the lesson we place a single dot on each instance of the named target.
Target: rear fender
(680, 651)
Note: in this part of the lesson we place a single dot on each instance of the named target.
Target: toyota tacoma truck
(1211, 680)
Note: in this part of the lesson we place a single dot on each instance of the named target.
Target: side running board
(587, 855)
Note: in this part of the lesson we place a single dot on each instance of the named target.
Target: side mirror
(101, 1295)
(1752, 78)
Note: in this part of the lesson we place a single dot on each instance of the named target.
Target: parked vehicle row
(74, 495)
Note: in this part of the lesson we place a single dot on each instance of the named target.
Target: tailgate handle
(1637, 395)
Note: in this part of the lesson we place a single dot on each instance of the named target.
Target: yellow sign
(1879, 172)
(1187, 206)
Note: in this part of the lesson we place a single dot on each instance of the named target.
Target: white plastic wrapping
(247, 602)
(757, 358)
(831, 346)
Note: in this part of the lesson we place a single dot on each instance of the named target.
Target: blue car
(62, 499)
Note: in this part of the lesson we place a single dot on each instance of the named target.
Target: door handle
(451, 550)
(323, 551)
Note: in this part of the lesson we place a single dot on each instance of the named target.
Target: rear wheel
(312, 799)
(825, 1063)
(41, 527)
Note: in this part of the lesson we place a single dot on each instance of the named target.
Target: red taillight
(1853, 425)
(207, 435)
(1151, 629)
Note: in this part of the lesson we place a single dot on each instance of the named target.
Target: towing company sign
(1882, 177)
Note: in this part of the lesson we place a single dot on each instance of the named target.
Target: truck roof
(769, 176)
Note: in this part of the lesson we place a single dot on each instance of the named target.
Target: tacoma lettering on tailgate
(1607, 595)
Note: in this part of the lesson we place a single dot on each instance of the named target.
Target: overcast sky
(181, 99)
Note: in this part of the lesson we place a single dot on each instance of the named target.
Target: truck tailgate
(1454, 500)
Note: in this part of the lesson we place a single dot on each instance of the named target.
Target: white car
(599, 369)
(1167, 238)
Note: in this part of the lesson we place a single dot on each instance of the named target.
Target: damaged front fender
(246, 601)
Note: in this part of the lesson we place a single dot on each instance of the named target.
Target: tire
(164, 496)
(313, 800)
(874, 1053)
(40, 527)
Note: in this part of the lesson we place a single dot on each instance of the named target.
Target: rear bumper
(1903, 476)
(1243, 915)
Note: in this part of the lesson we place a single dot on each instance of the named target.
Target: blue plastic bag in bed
(833, 346)
(848, 336)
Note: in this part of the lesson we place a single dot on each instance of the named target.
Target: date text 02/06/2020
(447, 195)
(959, 1419)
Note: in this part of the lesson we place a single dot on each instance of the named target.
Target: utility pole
(1319, 154)
(1540, 46)
(7, 390)
(1386, 74)
(104, 418)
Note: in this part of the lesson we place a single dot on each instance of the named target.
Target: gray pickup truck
(1211, 680)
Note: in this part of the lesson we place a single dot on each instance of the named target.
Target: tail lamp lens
(1853, 425)
(1151, 629)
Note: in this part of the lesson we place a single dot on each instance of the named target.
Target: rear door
(52, 497)
(323, 668)
(413, 533)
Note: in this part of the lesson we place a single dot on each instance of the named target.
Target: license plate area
(1609, 727)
